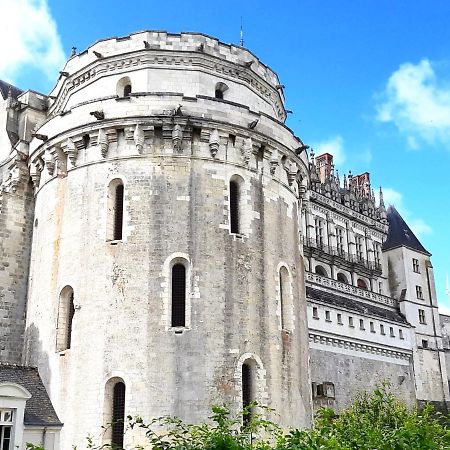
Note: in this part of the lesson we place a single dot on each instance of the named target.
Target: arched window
(236, 183)
(361, 283)
(178, 295)
(127, 90)
(342, 278)
(66, 313)
(115, 210)
(123, 88)
(321, 271)
(285, 299)
(248, 389)
(114, 413)
(118, 415)
(220, 90)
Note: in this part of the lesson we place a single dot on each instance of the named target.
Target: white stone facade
(301, 290)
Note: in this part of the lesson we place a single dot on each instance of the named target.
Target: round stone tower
(167, 270)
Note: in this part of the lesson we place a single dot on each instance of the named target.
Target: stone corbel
(214, 142)
(139, 138)
(129, 133)
(35, 175)
(177, 138)
(16, 175)
(291, 170)
(246, 151)
(102, 142)
(49, 162)
(71, 150)
(274, 162)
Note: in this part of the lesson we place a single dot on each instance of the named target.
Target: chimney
(324, 164)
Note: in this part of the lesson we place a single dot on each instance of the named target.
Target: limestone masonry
(168, 244)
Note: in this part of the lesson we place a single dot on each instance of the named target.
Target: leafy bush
(376, 421)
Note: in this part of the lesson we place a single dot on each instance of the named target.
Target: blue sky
(368, 80)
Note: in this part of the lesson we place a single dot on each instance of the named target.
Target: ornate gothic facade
(168, 243)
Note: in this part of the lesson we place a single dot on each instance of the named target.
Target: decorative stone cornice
(175, 61)
(342, 343)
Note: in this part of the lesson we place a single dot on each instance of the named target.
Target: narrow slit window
(285, 299)
(118, 216)
(70, 320)
(118, 415)
(66, 314)
(234, 207)
(247, 391)
(178, 295)
(115, 210)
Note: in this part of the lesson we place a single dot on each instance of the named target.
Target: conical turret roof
(399, 234)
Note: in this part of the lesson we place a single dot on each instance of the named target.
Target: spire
(400, 235)
(381, 198)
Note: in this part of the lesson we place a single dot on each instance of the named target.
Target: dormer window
(220, 90)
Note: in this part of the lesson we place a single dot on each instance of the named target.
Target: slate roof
(39, 409)
(400, 234)
(4, 89)
(354, 305)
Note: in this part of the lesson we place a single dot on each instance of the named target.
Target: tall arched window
(248, 389)
(235, 198)
(285, 299)
(118, 415)
(66, 313)
(178, 295)
(114, 413)
(115, 210)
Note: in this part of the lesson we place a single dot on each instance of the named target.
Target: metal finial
(74, 51)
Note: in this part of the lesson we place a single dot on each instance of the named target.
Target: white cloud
(418, 104)
(334, 146)
(395, 198)
(28, 38)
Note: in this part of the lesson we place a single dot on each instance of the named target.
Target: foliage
(376, 421)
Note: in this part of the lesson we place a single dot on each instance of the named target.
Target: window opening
(419, 292)
(70, 320)
(247, 391)
(350, 322)
(382, 330)
(372, 327)
(339, 319)
(118, 414)
(422, 317)
(285, 299)
(321, 271)
(340, 241)
(178, 295)
(234, 207)
(118, 216)
(127, 90)
(315, 312)
(416, 265)
(342, 278)
(327, 316)
(319, 226)
(361, 284)
(424, 343)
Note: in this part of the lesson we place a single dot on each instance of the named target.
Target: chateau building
(168, 244)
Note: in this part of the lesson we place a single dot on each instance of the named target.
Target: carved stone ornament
(177, 138)
(102, 141)
(214, 142)
(247, 150)
(49, 162)
(71, 150)
(274, 162)
(139, 138)
(16, 175)
(291, 170)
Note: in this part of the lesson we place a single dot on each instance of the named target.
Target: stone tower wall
(176, 164)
